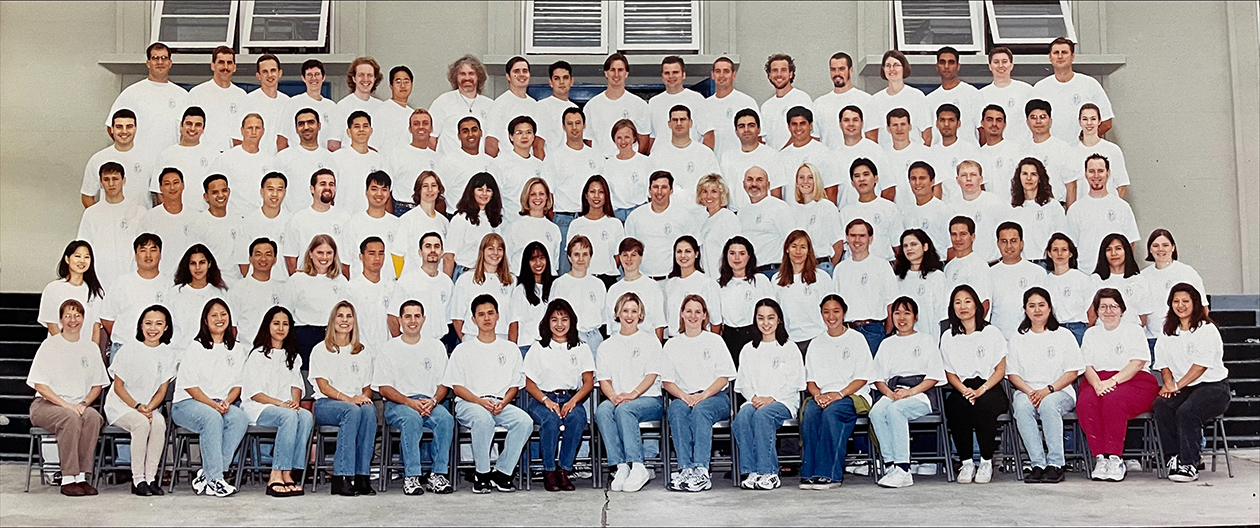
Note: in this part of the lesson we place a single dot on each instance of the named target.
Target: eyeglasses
(160, 58)
(1108, 307)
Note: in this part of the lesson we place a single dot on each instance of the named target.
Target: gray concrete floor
(1139, 500)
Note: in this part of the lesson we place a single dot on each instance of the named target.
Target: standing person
(190, 157)
(1190, 358)
(920, 276)
(600, 225)
(532, 224)
(408, 161)
(1090, 143)
(967, 266)
(378, 221)
(110, 224)
(766, 220)
(1116, 268)
(532, 293)
(987, 210)
(485, 372)
(156, 101)
(1043, 364)
(372, 291)
(306, 155)
(659, 225)
(584, 292)
(223, 101)
(965, 98)
(925, 211)
(721, 107)
(426, 284)
(1059, 156)
(697, 375)
(325, 109)
(881, 214)
(1011, 278)
(740, 288)
(651, 300)
(76, 280)
(362, 78)
(838, 369)
(123, 152)
(830, 105)
(684, 157)
(895, 68)
(550, 109)
(341, 367)
(613, 104)
(394, 114)
(1165, 273)
(771, 377)
(313, 290)
(428, 216)
(781, 72)
(171, 220)
(355, 162)
(818, 216)
(1071, 289)
(686, 279)
(1069, 90)
(559, 374)
(998, 154)
(801, 284)
(142, 372)
(720, 224)
(627, 171)
(408, 374)
(206, 389)
(907, 366)
(751, 153)
(467, 78)
(950, 150)
(514, 103)
(869, 282)
(318, 218)
(64, 396)
(197, 281)
(629, 371)
(490, 275)
(802, 148)
(1103, 213)
(136, 291)
(273, 388)
(1009, 94)
(1035, 208)
(268, 101)
(516, 164)
(255, 294)
(218, 228)
(661, 106)
(269, 221)
(974, 354)
(1118, 388)
(570, 163)
(478, 213)
(850, 146)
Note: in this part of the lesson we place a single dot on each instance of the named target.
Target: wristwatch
(1050, 388)
(138, 406)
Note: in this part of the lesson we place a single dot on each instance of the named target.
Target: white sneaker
(637, 478)
(769, 481)
(220, 488)
(619, 479)
(967, 472)
(678, 480)
(1115, 470)
(699, 480)
(750, 482)
(1101, 468)
(199, 483)
(896, 478)
(985, 473)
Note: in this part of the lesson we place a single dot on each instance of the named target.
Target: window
(194, 24)
(596, 26)
(285, 23)
(1029, 22)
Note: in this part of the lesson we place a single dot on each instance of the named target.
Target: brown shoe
(551, 480)
(74, 489)
(563, 477)
(88, 489)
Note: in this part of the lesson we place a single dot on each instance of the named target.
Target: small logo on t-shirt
(748, 296)
(231, 361)
(625, 114)
(922, 289)
(1023, 283)
(776, 363)
(1050, 352)
(548, 236)
(1076, 99)
(863, 279)
(1111, 215)
(592, 297)
(1041, 215)
(708, 354)
(442, 297)
(502, 359)
(205, 162)
(170, 103)
(691, 166)
(603, 235)
(1119, 349)
(231, 108)
(634, 177)
(845, 354)
(83, 362)
(573, 359)
(591, 163)
(1067, 291)
(918, 351)
(635, 353)
(275, 299)
(354, 367)
(758, 220)
(428, 364)
(980, 351)
(669, 229)
(998, 163)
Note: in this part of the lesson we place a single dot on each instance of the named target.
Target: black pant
(1180, 418)
(980, 418)
(307, 337)
(738, 336)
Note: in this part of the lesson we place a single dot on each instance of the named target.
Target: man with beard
(467, 76)
(781, 71)
(308, 156)
(320, 218)
(827, 107)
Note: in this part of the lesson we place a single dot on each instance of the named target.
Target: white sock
(703, 471)
(637, 466)
(623, 468)
(78, 478)
(137, 480)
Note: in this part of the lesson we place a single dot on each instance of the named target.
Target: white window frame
(604, 37)
(696, 30)
(247, 25)
(1064, 5)
(156, 28)
(977, 30)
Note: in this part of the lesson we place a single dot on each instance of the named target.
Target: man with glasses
(157, 102)
(313, 77)
(393, 117)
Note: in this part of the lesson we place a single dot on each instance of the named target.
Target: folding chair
(649, 430)
(40, 436)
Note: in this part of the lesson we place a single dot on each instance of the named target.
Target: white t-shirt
(932, 217)
(348, 105)
(567, 170)
(627, 179)
(194, 163)
(456, 168)
(625, 360)
(186, 305)
(735, 163)
(463, 238)
(844, 157)
(948, 158)
(774, 128)
(1092, 219)
(60, 291)
(716, 230)
(658, 114)
(224, 108)
(307, 222)
(1112, 350)
(1115, 158)
(413, 370)
(766, 224)
(774, 370)
(327, 110)
(298, 165)
(485, 369)
(269, 376)
(467, 289)
(1066, 99)
(658, 232)
(524, 230)
(69, 369)
(1060, 160)
(827, 109)
(311, 297)
(244, 172)
(895, 170)
(391, 124)
(448, 109)
(529, 315)
(988, 211)
(884, 216)
(404, 164)
(1071, 294)
(1138, 299)
(556, 366)
(548, 115)
(1042, 358)
(694, 363)
(998, 166)
(974, 355)
(223, 237)
(272, 111)
(605, 235)
(909, 98)
(128, 298)
(868, 286)
(158, 106)
(602, 113)
(740, 296)
(719, 116)
(371, 302)
(801, 302)
(411, 226)
(143, 370)
(1159, 283)
(931, 295)
(111, 229)
(971, 270)
(816, 153)
(215, 370)
(1012, 99)
(833, 363)
(587, 295)
(137, 169)
(1180, 352)
(250, 299)
(687, 164)
(362, 226)
(677, 288)
(1009, 284)
(346, 372)
(512, 172)
(435, 295)
(354, 169)
(1040, 222)
(913, 355)
(649, 291)
(503, 110)
(256, 225)
(968, 100)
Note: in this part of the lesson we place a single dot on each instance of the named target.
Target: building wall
(1185, 100)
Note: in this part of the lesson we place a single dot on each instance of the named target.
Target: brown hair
(329, 334)
(782, 57)
(354, 65)
(901, 57)
(503, 271)
(472, 62)
(808, 275)
(682, 327)
(1198, 316)
(308, 263)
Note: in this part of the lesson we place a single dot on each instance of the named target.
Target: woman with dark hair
(76, 280)
(895, 68)
(428, 216)
(142, 371)
(1190, 358)
(1165, 273)
(740, 287)
(272, 393)
(907, 365)
(688, 278)
(800, 284)
(341, 369)
(696, 374)
(1070, 288)
(627, 170)
(1118, 387)
(838, 368)
(1035, 208)
(584, 292)
(1116, 268)
(532, 293)
(921, 276)
(490, 276)
(1043, 363)
(533, 224)
(770, 378)
(197, 280)
(629, 367)
(206, 387)
(599, 224)
(478, 213)
(559, 375)
(974, 353)
(312, 290)
(720, 223)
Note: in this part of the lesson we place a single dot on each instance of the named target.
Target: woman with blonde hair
(533, 224)
(490, 276)
(720, 223)
(428, 216)
(312, 290)
(629, 371)
(342, 371)
(818, 216)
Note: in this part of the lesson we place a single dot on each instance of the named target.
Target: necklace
(468, 101)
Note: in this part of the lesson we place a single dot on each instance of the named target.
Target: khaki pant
(147, 440)
(76, 435)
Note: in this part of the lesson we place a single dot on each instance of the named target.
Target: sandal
(273, 492)
(294, 489)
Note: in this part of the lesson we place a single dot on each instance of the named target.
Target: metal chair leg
(30, 462)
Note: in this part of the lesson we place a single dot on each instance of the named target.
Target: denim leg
(825, 265)
(745, 438)
(235, 422)
(902, 411)
(442, 424)
(574, 426)
(562, 221)
(1052, 409)
(816, 454)
(874, 334)
(285, 421)
(709, 411)
(409, 422)
(480, 423)
(880, 416)
(519, 426)
(766, 422)
(365, 440)
(548, 431)
(345, 416)
(1078, 330)
(606, 420)
(1026, 421)
(629, 415)
(840, 417)
(592, 339)
(209, 426)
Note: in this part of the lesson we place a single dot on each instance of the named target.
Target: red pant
(1105, 419)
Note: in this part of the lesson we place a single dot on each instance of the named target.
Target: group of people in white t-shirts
(676, 244)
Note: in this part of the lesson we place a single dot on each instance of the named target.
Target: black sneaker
(141, 489)
(413, 486)
(155, 488)
(481, 483)
(502, 482)
(1184, 473)
(438, 483)
(1035, 476)
(1052, 475)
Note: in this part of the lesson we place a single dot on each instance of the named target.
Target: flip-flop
(273, 492)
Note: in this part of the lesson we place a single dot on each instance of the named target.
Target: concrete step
(1240, 334)
(23, 332)
(14, 366)
(1235, 351)
(20, 300)
(15, 386)
(1236, 426)
(1225, 318)
(10, 315)
(18, 349)
(1244, 368)
(1245, 386)
(1244, 406)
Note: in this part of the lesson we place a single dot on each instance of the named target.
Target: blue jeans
(874, 334)
(293, 434)
(411, 424)
(457, 271)
(518, 423)
(1078, 330)
(562, 221)
(825, 433)
(769, 273)
(825, 265)
(220, 434)
(692, 428)
(623, 214)
(356, 436)
(619, 427)
(549, 433)
(754, 434)
(1050, 413)
(593, 339)
(891, 422)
